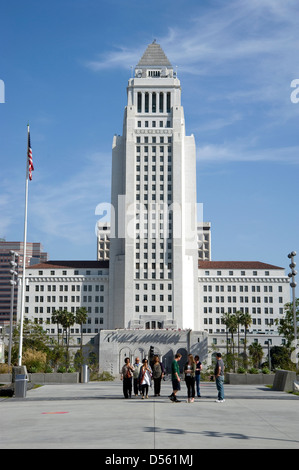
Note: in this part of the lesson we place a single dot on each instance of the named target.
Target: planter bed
(46, 378)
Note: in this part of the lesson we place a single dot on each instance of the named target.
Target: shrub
(241, 370)
(105, 376)
(34, 360)
(253, 370)
(265, 370)
(5, 369)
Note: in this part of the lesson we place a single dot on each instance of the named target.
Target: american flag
(30, 161)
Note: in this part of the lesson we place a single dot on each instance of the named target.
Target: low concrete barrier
(249, 379)
(46, 378)
(5, 378)
(284, 380)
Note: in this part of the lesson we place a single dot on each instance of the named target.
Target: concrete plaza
(95, 415)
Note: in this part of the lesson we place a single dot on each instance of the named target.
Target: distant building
(34, 254)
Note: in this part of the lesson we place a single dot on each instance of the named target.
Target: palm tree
(230, 321)
(246, 321)
(238, 316)
(226, 322)
(233, 327)
(67, 320)
(57, 318)
(80, 318)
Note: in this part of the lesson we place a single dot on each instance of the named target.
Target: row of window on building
(75, 272)
(235, 273)
(253, 310)
(65, 298)
(241, 299)
(65, 287)
(230, 288)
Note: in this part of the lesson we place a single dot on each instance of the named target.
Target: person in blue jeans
(197, 374)
(219, 377)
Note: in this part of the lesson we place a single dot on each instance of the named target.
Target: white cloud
(214, 39)
(243, 153)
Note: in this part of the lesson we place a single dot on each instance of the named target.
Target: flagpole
(24, 259)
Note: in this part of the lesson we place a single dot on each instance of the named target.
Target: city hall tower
(153, 270)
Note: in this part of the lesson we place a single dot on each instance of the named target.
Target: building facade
(256, 288)
(154, 285)
(203, 241)
(68, 285)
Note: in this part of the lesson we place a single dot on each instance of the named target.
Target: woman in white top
(145, 378)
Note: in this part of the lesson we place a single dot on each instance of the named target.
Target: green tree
(256, 353)
(280, 358)
(34, 338)
(286, 324)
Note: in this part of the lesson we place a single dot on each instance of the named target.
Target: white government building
(154, 284)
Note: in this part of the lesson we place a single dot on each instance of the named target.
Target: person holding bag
(145, 378)
(189, 371)
(158, 374)
(126, 377)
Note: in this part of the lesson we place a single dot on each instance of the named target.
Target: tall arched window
(161, 104)
(168, 102)
(146, 102)
(139, 102)
(154, 102)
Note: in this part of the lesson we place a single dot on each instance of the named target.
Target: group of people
(192, 370)
(139, 377)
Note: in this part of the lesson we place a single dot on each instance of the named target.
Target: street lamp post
(293, 285)
(13, 272)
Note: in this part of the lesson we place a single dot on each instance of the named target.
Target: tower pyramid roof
(154, 56)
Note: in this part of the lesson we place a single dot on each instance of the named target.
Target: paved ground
(96, 416)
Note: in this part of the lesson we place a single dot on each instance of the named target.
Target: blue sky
(65, 66)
